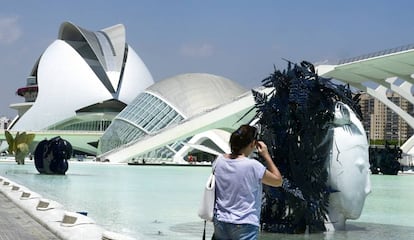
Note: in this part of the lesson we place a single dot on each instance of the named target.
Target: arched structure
(381, 68)
(377, 73)
(169, 103)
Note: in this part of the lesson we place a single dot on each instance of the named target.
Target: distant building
(4, 122)
(381, 123)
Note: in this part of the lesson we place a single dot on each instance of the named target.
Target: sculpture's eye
(345, 114)
(342, 114)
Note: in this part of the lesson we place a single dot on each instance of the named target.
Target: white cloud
(10, 30)
(203, 50)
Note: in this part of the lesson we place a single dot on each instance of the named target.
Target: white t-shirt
(238, 190)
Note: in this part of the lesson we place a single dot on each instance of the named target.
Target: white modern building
(169, 103)
(375, 74)
(378, 74)
(80, 83)
(84, 79)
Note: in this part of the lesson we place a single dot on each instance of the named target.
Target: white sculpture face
(348, 168)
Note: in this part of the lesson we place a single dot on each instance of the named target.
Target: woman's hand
(262, 148)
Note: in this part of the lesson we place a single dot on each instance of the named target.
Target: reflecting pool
(161, 202)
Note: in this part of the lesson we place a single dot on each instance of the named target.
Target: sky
(241, 40)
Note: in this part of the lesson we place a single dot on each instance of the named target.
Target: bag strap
(215, 165)
(204, 232)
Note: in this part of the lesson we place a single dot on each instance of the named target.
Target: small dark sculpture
(295, 120)
(51, 156)
(385, 160)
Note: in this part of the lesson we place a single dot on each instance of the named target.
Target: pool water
(161, 202)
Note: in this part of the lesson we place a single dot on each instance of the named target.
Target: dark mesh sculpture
(295, 122)
(51, 156)
(385, 160)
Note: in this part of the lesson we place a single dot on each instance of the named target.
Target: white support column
(380, 93)
(404, 90)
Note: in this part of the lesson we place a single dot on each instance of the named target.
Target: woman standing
(239, 186)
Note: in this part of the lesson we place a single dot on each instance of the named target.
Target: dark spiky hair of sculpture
(295, 122)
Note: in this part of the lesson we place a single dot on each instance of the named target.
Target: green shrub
(19, 145)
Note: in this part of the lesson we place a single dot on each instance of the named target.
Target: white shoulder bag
(206, 210)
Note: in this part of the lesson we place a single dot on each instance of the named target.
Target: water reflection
(354, 231)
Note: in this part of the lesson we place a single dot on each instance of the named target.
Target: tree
(19, 145)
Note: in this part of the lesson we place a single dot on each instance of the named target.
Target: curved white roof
(106, 46)
(193, 93)
(166, 103)
(81, 69)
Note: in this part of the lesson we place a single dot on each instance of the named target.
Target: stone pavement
(15, 224)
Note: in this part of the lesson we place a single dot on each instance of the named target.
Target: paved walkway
(15, 224)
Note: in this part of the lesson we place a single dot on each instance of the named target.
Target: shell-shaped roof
(106, 46)
(193, 93)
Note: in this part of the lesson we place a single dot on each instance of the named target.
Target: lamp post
(399, 137)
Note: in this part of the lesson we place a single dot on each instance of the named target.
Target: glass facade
(96, 125)
(146, 114)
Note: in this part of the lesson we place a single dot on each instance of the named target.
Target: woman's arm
(272, 176)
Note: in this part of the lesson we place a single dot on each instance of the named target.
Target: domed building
(168, 103)
(80, 83)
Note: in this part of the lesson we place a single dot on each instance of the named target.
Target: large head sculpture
(320, 147)
(348, 167)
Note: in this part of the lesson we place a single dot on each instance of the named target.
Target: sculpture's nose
(363, 167)
(361, 164)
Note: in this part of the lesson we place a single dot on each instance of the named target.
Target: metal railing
(377, 54)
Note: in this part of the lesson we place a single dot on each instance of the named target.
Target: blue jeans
(230, 231)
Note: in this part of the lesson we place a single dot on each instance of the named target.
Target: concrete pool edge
(52, 215)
